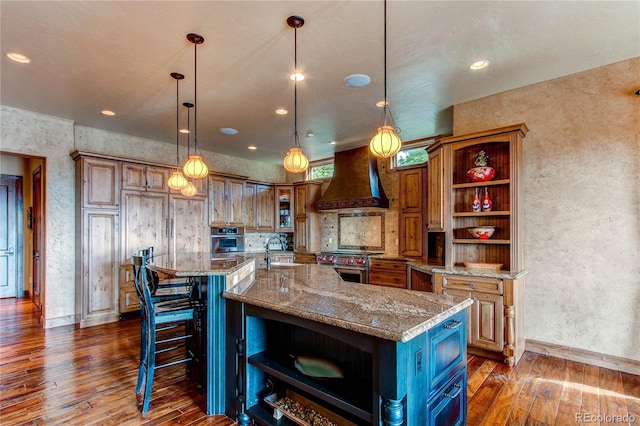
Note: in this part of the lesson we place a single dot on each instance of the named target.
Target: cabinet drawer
(388, 278)
(447, 346)
(389, 265)
(449, 406)
(484, 285)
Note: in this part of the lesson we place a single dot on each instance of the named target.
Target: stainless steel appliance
(352, 266)
(227, 239)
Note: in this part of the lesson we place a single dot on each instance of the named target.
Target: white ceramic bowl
(482, 232)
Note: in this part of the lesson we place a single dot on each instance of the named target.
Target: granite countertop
(316, 292)
(461, 270)
(198, 264)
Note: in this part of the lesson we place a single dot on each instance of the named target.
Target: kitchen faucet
(268, 257)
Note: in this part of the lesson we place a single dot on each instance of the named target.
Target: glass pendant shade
(195, 168)
(295, 161)
(189, 190)
(385, 143)
(177, 180)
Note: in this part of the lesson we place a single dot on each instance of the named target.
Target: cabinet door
(301, 234)
(265, 208)
(300, 200)
(235, 198)
(157, 178)
(189, 225)
(100, 183)
(488, 314)
(435, 201)
(284, 211)
(145, 222)
(100, 264)
(411, 235)
(412, 190)
(250, 206)
(471, 324)
(217, 205)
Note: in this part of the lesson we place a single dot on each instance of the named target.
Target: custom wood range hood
(355, 182)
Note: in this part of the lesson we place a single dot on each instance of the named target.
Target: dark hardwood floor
(68, 375)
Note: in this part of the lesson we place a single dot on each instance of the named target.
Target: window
(321, 169)
(412, 153)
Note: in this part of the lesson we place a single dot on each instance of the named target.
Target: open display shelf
(345, 394)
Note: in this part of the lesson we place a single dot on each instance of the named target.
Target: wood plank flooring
(73, 376)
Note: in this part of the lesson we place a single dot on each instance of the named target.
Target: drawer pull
(470, 285)
(455, 393)
(453, 324)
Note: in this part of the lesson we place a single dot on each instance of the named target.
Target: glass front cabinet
(284, 208)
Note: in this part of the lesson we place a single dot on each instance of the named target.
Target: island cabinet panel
(418, 382)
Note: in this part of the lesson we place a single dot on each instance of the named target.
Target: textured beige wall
(28, 133)
(581, 206)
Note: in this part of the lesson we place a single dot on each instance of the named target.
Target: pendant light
(386, 142)
(190, 189)
(195, 168)
(177, 180)
(295, 161)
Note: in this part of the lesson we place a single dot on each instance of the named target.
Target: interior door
(9, 236)
(36, 228)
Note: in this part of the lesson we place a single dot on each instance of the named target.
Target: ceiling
(93, 55)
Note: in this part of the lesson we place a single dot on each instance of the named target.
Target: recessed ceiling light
(18, 57)
(297, 76)
(108, 112)
(381, 104)
(252, 147)
(281, 111)
(478, 65)
(332, 142)
(229, 131)
(357, 80)
(184, 131)
(310, 134)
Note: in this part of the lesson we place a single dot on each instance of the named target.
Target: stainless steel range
(352, 266)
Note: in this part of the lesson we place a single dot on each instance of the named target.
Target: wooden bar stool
(167, 328)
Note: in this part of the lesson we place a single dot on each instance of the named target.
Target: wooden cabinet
(259, 207)
(97, 239)
(284, 211)
(304, 257)
(419, 279)
(412, 211)
(435, 202)
(307, 233)
(226, 200)
(140, 177)
(99, 182)
(188, 230)
(388, 272)
(145, 223)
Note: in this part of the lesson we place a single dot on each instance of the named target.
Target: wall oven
(227, 239)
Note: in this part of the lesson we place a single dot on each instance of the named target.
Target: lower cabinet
(496, 318)
(419, 382)
(388, 272)
(419, 280)
(304, 257)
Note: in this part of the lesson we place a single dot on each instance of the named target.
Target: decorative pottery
(487, 204)
(476, 206)
(481, 172)
(482, 232)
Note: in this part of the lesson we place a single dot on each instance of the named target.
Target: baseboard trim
(581, 355)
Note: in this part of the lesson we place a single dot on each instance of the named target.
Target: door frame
(19, 211)
(37, 177)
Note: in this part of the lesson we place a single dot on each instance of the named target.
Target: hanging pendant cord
(295, 88)
(195, 98)
(385, 63)
(177, 126)
(188, 132)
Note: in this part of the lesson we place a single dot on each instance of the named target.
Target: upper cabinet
(435, 202)
(284, 213)
(484, 185)
(139, 177)
(412, 206)
(226, 200)
(100, 182)
(259, 207)
(307, 219)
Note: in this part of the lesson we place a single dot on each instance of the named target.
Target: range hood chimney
(355, 182)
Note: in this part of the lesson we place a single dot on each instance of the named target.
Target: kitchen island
(398, 356)
(211, 277)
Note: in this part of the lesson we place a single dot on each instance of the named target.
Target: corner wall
(581, 204)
